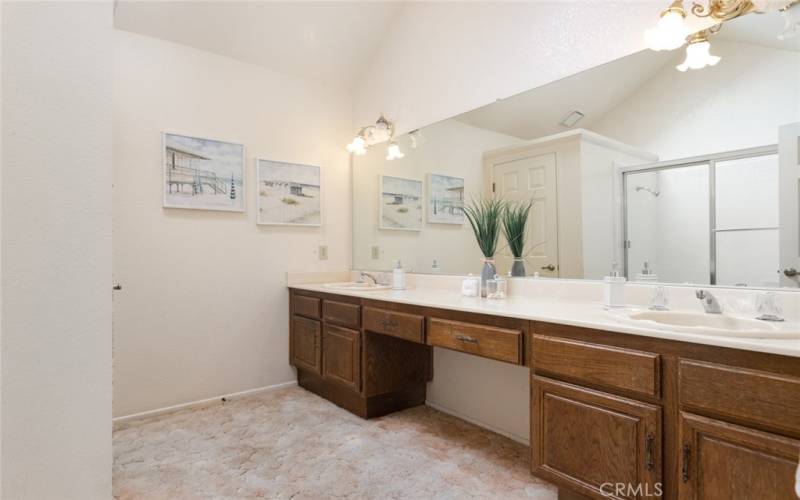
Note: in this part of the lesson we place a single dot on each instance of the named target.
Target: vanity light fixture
(671, 30)
(698, 53)
(393, 152)
(791, 16)
(381, 131)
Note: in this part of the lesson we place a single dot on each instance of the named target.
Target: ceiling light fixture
(381, 131)
(698, 53)
(672, 30)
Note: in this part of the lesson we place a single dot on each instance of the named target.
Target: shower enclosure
(704, 220)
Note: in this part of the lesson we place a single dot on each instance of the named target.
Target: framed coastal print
(400, 204)
(202, 174)
(445, 199)
(288, 194)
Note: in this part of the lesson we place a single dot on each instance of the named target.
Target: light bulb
(791, 19)
(698, 56)
(358, 146)
(393, 152)
(671, 30)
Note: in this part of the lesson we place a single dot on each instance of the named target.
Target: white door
(532, 178)
(789, 237)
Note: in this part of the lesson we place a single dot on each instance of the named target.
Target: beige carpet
(293, 444)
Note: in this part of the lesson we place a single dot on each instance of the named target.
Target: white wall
(204, 305)
(440, 59)
(446, 148)
(739, 103)
(56, 250)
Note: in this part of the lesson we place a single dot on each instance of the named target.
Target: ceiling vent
(572, 119)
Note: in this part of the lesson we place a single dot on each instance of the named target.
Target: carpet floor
(292, 444)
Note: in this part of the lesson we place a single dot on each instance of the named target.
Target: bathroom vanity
(614, 414)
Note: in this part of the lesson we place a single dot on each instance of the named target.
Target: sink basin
(708, 324)
(356, 286)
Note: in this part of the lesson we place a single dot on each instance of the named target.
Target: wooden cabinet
(341, 355)
(305, 346)
(593, 441)
(401, 325)
(723, 461)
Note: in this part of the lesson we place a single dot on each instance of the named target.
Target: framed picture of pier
(445, 199)
(400, 204)
(289, 194)
(203, 174)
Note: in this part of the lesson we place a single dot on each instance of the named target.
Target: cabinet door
(595, 443)
(729, 462)
(305, 346)
(341, 355)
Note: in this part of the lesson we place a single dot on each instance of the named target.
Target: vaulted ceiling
(330, 42)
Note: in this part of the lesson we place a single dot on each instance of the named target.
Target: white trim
(496, 430)
(202, 402)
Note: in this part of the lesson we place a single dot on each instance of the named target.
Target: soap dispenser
(399, 277)
(614, 289)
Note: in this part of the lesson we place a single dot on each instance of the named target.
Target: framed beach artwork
(400, 204)
(289, 194)
(202, 174)
(445, 199)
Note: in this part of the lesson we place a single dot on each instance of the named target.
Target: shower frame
(711, 161)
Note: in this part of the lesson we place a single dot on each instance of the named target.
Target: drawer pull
(389, 323)
(467, 339)
(687, 452)
(649, 462)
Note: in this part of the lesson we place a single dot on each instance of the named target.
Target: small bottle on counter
(614, 289)
(471, 286)
(399, 277)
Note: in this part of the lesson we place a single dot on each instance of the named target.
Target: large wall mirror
(679, 177)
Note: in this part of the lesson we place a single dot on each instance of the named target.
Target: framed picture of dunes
(202, 174)
(288, 194)
(400, 204)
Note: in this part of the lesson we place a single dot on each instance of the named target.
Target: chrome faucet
(709, 301)
(371, 277)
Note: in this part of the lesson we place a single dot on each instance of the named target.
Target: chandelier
(381, 131)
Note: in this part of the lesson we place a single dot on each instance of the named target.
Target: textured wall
(56, 250)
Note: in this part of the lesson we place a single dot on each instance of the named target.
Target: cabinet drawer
(401, 325)
(305, 306)
(501, 344)
(602, 365)
(761, 398)
(342, 313)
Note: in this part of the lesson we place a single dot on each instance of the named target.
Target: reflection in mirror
(677, 177)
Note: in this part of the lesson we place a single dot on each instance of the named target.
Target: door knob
(116, 286)
(790, 272)
(549, 267)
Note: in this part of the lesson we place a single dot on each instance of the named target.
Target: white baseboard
(509, 435)
(202, 402)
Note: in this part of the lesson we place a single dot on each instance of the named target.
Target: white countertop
(585, 314)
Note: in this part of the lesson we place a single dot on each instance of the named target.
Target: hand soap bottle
(399, 277)
(614, 289)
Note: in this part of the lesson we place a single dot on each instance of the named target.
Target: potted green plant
(484, 216)
(515, 220)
